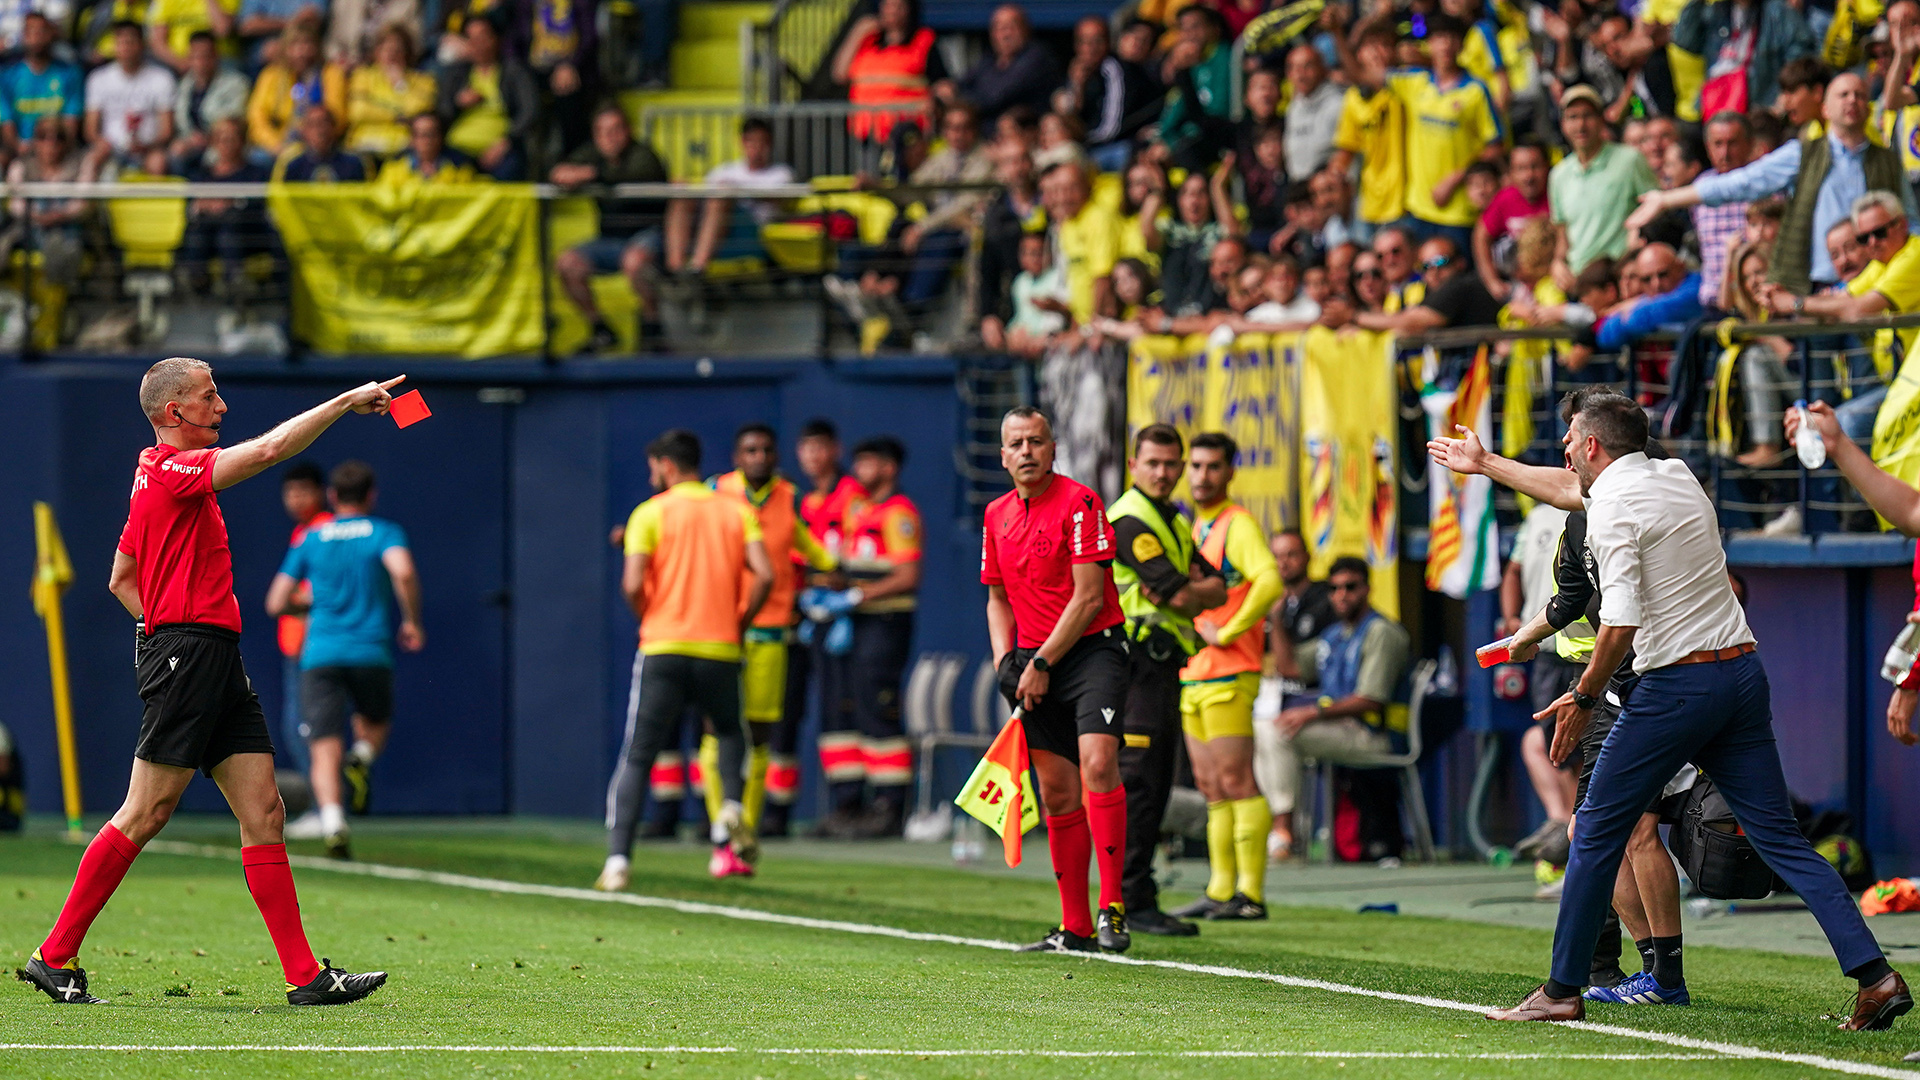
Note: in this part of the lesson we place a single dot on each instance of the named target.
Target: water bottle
(1901, 655)
(968, 844)
(1812, 448)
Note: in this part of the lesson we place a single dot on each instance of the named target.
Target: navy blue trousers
(1720, 717)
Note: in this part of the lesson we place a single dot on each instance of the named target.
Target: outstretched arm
(1555, 487)
(258, 454)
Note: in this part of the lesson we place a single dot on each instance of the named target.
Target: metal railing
(815, 137)
(142, 271)
(1827, 361)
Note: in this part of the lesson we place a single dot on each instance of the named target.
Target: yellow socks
(1220, 850)
(1252, 818)
(755, 799)
(710, 776)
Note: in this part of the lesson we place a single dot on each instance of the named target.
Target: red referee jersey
(176, 534)
(1031, 546)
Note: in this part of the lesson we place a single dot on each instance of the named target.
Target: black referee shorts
(330, 696)
(1086, 693)
(200, 706)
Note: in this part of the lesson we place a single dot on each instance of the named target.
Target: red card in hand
(409, 408)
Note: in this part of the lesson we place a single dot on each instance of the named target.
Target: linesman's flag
(1001, 789)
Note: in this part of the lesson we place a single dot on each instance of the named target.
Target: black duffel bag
(1711, 850)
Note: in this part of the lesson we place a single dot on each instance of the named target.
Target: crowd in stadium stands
(297, 90)
(1401, 166)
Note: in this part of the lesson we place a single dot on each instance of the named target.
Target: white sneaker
(1787, 523)
(613, 876)
(307, 826)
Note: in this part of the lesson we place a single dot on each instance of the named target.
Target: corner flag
(52, 573)
(1001, 789)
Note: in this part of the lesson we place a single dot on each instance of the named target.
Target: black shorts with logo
(1086, 693)
(200, 706)
(330, 695)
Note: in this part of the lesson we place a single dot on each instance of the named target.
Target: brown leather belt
(1708, 656)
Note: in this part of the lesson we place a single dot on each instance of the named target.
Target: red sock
(1071, 846)
(1107, 820)
(102, 867)
(270, 880)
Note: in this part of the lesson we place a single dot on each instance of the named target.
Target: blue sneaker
(1639, 989)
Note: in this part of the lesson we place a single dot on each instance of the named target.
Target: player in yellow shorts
(763, 668)
(1219, 683)
(1219, 708)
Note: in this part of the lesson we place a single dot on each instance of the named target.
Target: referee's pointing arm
(289, 438)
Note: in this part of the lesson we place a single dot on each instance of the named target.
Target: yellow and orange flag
(1000, 791)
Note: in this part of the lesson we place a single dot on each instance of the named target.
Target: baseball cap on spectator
(1582, 92)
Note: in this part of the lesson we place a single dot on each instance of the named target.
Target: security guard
(1163, 584)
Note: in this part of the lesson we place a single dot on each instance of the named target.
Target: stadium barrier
(467, 271)
(1332, 425)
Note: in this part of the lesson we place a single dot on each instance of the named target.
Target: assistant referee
(1054, 619)
(173, 572)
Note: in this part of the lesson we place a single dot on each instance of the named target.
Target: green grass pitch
(182, 956)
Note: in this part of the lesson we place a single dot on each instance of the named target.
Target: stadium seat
(1412, 796)
(148, 231)
(929, 719)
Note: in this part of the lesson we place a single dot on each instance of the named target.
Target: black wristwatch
(1584, 701)
(1040, 664)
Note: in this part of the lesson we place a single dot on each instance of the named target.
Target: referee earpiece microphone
(178, 420)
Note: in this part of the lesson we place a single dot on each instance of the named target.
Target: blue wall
(516, 704)
(517, 701)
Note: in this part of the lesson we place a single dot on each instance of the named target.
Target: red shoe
(725, 864)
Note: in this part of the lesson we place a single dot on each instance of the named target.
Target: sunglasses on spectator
(1874, 236)
(1346, 586)
(1437, 264)
(1370, 272)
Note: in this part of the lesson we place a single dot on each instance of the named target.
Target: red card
(409, 408)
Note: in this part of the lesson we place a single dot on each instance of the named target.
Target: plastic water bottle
(1901, 654)
(968, 843)
(1812, 448)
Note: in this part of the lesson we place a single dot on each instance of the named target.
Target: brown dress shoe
(1538, 1006)
(1877, 1006)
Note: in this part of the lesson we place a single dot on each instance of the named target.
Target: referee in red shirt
(174, 573)
(1054, 618)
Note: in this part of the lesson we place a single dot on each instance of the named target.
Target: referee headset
(178, 420)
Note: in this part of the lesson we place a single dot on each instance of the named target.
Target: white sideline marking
(864, 1052)
(693, 907)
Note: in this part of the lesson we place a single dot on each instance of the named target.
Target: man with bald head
(173, 573)
(1826, 170)
(1313, 115)
(1017, 70)
(1672, 299)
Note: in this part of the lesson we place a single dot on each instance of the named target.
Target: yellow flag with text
(1000, 791)
(446, 269)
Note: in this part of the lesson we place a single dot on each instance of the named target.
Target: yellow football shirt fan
(1375, 127)
(697, 540)
(1447, 130)
(1089, 246)
(1899, 282)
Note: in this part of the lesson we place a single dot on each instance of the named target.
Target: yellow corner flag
(1001, 789)
(52, 573)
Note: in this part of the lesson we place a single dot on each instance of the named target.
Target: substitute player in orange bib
(174, 574)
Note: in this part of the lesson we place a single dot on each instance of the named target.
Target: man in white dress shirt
(1703, 697)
